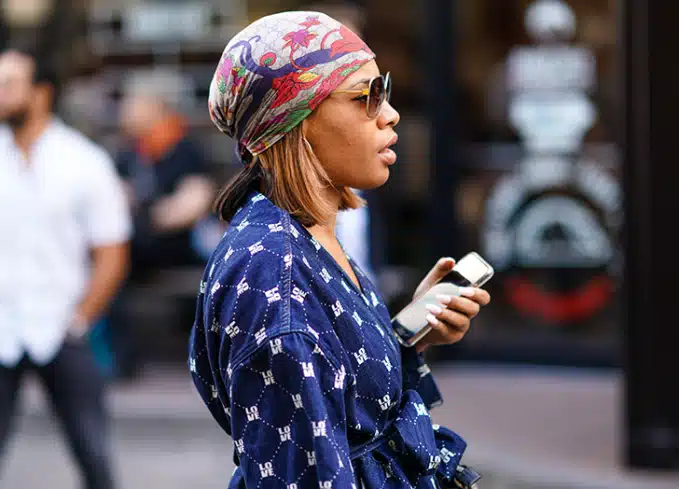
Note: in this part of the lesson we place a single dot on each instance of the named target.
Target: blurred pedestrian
(169, 189)
(293, 351)
(166, 176)
(64, 225)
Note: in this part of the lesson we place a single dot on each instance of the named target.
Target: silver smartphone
(411, 324)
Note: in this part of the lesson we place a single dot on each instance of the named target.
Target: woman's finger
(440, 270)
(477, 295)
(481, 297)
(460, 304)
(453, 319)
(443, 332)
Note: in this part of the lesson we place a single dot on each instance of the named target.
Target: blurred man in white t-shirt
(64, 227)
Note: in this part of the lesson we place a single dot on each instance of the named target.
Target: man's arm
(193, 193)
(182, 209)
(110, 264)
(107, 229)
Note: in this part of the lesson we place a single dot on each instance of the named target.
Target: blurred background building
(550, 227)
(510, 142)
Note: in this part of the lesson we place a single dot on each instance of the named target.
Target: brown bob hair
(291, 176)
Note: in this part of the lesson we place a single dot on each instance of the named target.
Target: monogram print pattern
(301, 367)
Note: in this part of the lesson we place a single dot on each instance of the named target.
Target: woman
(292, 349)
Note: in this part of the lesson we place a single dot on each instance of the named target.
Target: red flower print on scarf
(349, 43)
(288, 87)
(238, 79)
(334, 80)
(310, 22)
(298, 38)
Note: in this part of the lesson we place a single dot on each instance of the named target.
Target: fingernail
(434, 309)
(467, 291)
(432, 320)
(444, 299)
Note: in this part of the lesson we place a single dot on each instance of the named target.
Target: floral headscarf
(276, 71)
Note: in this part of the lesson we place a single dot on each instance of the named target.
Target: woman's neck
(326, 230)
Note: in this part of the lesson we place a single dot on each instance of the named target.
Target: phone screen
(457, 279)
(469, 271)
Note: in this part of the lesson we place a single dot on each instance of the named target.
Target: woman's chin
(379, 179)
(376, 177)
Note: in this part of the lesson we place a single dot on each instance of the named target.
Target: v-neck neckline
(360, 289)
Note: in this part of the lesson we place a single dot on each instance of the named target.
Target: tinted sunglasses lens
(376, 96)
(387, 83)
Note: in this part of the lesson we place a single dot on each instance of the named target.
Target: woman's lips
(387, 154)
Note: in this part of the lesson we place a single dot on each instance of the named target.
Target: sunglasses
(379, 90)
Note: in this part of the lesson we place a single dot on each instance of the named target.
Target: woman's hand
(451, 320)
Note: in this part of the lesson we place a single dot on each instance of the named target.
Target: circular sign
(551, 229)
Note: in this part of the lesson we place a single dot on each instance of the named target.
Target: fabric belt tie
(422, 449)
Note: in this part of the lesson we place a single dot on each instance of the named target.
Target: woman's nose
(388, 115)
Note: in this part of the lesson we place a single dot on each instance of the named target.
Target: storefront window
(540, 194)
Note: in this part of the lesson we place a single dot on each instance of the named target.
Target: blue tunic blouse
(302, 368)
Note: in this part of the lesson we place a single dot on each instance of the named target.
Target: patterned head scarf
(276, 71)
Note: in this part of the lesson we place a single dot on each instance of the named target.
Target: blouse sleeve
(288, 416)
(417, 376)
